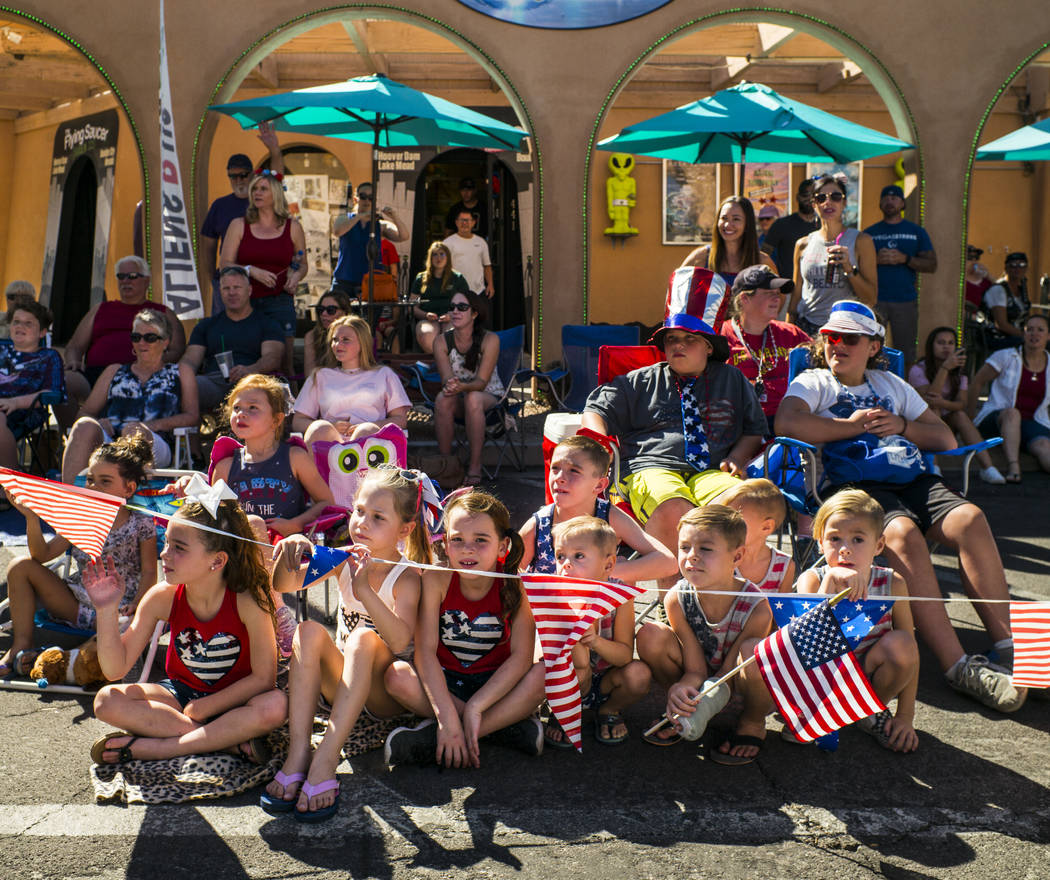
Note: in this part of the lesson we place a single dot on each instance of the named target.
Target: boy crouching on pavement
(711, 631)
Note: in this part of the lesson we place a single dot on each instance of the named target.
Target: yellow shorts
(649, 488)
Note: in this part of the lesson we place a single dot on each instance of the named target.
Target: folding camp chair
(505, 418)
(792, 464)
(38, 452)
(580, 345)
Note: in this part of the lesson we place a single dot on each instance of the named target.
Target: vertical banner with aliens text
(178, 273)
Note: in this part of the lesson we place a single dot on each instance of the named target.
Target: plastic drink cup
(225, 361)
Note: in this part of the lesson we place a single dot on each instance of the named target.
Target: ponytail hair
(132, 456)
(408, 504)
(477, 502)
(244, 571)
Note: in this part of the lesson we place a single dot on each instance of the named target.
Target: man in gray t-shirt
(687, 426)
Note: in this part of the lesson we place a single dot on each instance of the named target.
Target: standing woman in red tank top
(270, 244)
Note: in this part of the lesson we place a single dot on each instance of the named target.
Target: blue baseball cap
(891, 190)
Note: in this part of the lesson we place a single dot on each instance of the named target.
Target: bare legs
(27, 583)
(348, 682)
(965, 530)
(472, 405)
(154, 715)
(520, 702)
(663, 526)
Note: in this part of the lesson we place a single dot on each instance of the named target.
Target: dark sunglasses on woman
(459, 307)
(149, 337)
(327, 310)
(836, 197)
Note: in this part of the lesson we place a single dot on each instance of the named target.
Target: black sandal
(549, 728)
(101, 746)
(1013, 472)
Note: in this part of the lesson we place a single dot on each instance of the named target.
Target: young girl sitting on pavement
(117, 469)
(220, 692)
(763, 508)
(610, 678)
(377, 617)
(578, 478)
(474, 670)
(848, 527)
(709, 634)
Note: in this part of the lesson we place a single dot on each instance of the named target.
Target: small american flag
(815, 680)
(564, 609)
(1030, 625)
(81, 516)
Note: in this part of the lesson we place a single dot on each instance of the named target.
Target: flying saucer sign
(564, 14)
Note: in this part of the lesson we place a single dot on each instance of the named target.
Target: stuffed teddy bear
(79, 666)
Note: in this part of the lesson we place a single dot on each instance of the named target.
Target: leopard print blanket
(200, 777)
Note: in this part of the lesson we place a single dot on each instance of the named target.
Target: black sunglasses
(238, 175)
(460, 307)
(820, 198)
(328, 310)
(149, 337)
(130, 276)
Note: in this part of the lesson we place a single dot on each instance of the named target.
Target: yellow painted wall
(23, 214)
(7, 170)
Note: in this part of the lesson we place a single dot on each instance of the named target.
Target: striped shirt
(774, 576)
(717, 639)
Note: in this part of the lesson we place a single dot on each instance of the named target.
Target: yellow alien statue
(620, 190)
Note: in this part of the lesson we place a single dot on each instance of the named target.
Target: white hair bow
(209, 496)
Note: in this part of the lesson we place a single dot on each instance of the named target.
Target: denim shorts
(280, 307)
(182, 692)
(463, 685)
(1030, 429)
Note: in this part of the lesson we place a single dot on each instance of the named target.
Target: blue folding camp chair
(792, 464)
(580, 344)
(503, 422)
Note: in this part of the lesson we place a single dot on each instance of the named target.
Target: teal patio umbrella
(377, 110)
(752, 122)
(1027, 144)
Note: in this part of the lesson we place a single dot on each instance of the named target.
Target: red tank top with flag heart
(474, 637)
(207, 655)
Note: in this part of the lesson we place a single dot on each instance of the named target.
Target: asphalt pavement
(973, 802)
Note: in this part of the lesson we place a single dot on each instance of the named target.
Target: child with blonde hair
(711, 629)
(848, 528)
(610, 678)
(763, 508)
(378, 601)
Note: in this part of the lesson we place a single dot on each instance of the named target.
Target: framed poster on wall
(854, 174)
(690, 202)
(768, 184)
